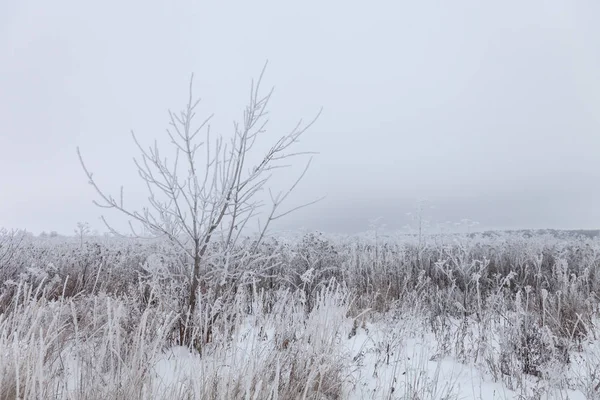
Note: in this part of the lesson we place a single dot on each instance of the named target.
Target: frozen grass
(332, 319)
(94, 348)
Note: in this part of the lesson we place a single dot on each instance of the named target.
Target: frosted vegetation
(430, 316)
(205, 309)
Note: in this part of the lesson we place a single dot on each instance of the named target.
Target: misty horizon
(485, 113)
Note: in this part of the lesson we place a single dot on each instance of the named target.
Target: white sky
(489, 110)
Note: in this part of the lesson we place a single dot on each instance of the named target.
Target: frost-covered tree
(82, 230)
(208, 189)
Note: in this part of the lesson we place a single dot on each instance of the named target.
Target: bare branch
(190, 201)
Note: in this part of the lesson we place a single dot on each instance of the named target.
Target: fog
(488, 111)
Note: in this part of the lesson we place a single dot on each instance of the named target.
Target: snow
(384, 360)
(327, 330)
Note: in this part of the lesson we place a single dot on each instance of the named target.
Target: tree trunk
(187, 339)
(194, 285)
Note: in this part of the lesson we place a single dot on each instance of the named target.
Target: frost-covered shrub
(527, 345)
(513, 305)
(11, 245)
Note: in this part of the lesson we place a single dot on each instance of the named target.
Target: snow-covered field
(503, 316)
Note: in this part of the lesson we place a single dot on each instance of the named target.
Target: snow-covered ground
(507, 317)
(383, 360)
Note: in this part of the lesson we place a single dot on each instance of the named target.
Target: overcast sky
(488, 110)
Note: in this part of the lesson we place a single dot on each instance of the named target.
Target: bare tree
(208, 189)
(82, 230)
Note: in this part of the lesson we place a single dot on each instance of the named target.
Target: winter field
(497, 316)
